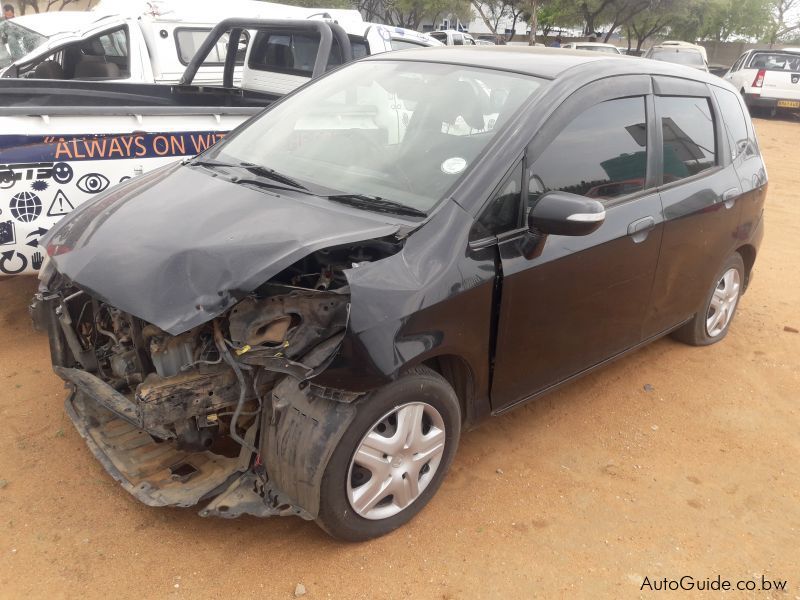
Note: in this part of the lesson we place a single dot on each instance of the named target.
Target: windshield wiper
(256, 170)
(274, 175)
(377, 203)
(210, 162)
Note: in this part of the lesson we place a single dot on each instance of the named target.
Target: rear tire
(711, 324)
(392, 458)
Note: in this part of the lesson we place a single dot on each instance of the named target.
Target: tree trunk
(513, 27)
(534, 23)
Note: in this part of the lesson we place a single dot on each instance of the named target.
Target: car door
(569, 303)
(700, 193)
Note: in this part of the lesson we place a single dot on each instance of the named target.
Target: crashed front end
(222, 415)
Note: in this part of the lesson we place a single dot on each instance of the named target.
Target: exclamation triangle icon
(60, 205)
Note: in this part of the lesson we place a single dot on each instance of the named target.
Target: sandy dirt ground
(582, 494)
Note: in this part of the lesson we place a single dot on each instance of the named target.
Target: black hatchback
(304, 318)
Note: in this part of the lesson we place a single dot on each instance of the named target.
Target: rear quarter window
(735, 122)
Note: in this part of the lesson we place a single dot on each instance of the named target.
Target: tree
(491, 13)
(722, 20)
(779, 10)
(556, 14)
(657, 19)
(621, 12)
(591, 10)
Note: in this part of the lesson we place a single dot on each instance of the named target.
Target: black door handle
(639, 229)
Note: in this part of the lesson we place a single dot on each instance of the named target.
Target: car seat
(48, 69)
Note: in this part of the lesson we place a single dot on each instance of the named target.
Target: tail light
(759, 80)
(57, 249)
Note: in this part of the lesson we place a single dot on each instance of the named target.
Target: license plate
(788, 103)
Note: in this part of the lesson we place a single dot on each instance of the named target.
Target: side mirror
(562, 213)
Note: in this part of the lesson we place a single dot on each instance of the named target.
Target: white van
(132, 40)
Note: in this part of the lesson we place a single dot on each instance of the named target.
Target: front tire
(392, 458)
(711, 325)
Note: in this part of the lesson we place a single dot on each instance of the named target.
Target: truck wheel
(393, 457)
(711, 325)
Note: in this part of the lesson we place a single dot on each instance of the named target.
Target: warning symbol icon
(60, 205)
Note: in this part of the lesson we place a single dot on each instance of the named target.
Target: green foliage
(723, 20)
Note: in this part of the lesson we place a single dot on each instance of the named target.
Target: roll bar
(326, 30)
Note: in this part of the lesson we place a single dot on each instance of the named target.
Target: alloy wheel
(723, 302)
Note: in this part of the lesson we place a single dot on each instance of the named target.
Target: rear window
(439, 35)
(687, 125)
(189, 40)
(775, 61)
(682, 56)
(405, 44)
(599, 49)
(295, 53)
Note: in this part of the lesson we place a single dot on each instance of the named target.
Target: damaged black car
(304, 318)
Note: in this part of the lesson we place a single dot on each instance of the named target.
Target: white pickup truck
(133, 40)
(768, 79)
(62, 142)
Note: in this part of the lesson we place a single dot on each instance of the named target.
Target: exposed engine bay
(206, 393)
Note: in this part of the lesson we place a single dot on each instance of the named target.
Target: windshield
(400, 131)
(608, 49)
(16, 41)
(691, 58)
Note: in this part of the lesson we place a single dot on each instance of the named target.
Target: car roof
(547, 63)
(678, 48)
(593, 44)
(776, 50)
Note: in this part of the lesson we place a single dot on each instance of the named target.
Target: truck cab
(140, 42)
(278, 62)
(452, 37)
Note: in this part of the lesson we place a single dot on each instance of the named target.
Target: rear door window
(687, 126)
(601, 154)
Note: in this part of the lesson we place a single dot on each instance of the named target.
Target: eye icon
(93, 183)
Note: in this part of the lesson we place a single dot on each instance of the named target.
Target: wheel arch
(748, 254)
(458, 373)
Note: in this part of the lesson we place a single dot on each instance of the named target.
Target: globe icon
(25, 207)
